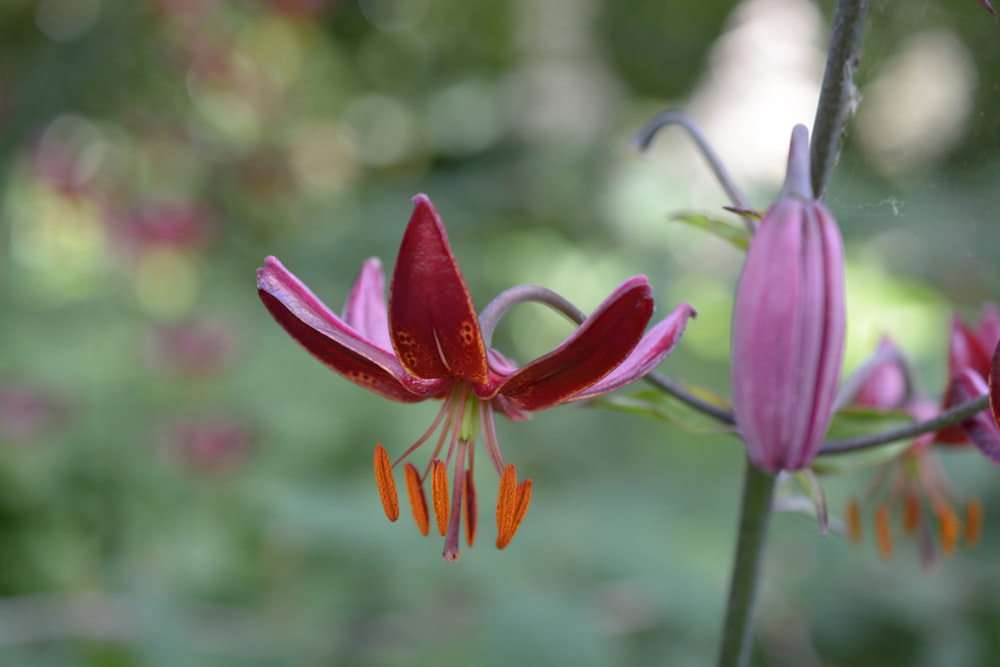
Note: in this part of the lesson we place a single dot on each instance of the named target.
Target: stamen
(471, 509)
(418, 501)
(445, 411)
(512, 505)
(973, 522)
(852, 516)
(523, 500)
(490, 436)
(949, 526)
(883, 532)
(911, 513)
(506, 503)
(386, 484)
(439, 493)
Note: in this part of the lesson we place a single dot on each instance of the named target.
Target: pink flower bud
(788, 325)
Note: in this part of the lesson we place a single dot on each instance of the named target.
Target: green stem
(837, 91)
(755, 514)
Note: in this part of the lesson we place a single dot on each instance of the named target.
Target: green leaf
(736, 234)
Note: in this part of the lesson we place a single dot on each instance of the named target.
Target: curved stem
(755, 514)
(954, 415)
(837, 91)
(644, 138)
(507, 299)
(674, 388)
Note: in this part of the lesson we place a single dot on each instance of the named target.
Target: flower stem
(755, 514)
(953, 415)
(838, 90)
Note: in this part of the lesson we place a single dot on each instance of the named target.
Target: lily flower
(788, 325)
(430, 344)
(914, 484)
(969, 347)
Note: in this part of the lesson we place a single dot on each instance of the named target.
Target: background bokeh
(180, 484)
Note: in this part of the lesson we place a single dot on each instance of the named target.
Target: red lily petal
(994, 386)
(330, 340)
(654, 347)
(966, 351)
(432, 321)
(981, 428)
(601, 344)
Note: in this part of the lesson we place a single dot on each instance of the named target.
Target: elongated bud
(788, 325)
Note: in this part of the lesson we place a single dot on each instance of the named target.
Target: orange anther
(471, 509)
(418, 501)
(439, 493)
(852, 516)
(506, 504)
(949, 525)
(911, 514)
(973, 522)
(512, 505)
(883, 532)
(386, 484)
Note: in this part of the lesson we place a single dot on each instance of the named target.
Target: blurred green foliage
(180, 484)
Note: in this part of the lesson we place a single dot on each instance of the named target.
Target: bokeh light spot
(166, 283)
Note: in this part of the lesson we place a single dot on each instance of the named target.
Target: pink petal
(601, 344)
(329, 339)
(654, 347)
(432, 321)
(982, 427)
(788, 334)
(365, 310)
(882, 381)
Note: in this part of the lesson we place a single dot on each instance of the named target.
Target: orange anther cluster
(386, 485)
(512, 505)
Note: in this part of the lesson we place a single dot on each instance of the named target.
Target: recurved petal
(965, 350)
(329, 339)
(654, 347)
(432, 321)
(981, 428)
(365, 310)
(600, 345)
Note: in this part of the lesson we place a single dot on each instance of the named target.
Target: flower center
(457, 424)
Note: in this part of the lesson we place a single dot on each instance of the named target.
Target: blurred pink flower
(27, 412)
(178, 226)
(213, 443)
(914, 485)
(196, 348)
(969, 347)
